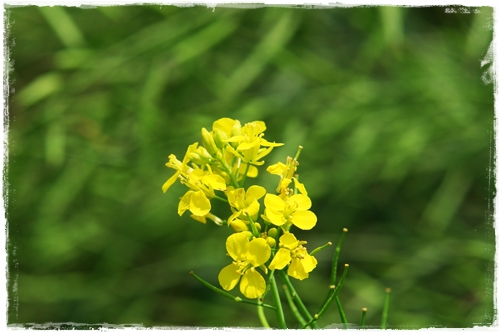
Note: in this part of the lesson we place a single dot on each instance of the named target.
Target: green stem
(245, 175)
(220, 198)
(294, 309)
(341, 313)
(228, 295)
(363, 317)
(385, 312)
(333, 280)
(329, 301)
(277, 303)
(262, 316)
(226, 168)
(316, 250)
(297, 299)
(255, 232)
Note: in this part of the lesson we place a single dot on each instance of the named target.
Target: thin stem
(333, 280)
(245, 174)
(228, 295)
(255, 232)
(277, 302)
(329, 301)
(226, 168)
(294, 309)
(220, 198)
(316, 250)
(363, 317)
(341, 313)
(262, 315)
(385, 312)
(297, 299)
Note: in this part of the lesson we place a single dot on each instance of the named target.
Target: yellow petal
(252, 172)
(184, 203)
(300, 186)
(302, 200)
(191, 148)
(252, 284)
(275, 218)
(281, 259)
(224, 124)
(248, 145)
(309, 263)
(216, 181)
(304, 220)
(277, 169)
(237, 245)
(229, 276)
(239, 225)
(289, 241)
(202, 219)
(255, 192)
(296, 270)
(170, 182)
(258, 252)
(253, 209)
(274, 202)
(199, 204)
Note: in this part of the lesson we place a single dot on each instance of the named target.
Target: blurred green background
(390, 104)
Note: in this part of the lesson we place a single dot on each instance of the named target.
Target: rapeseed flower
(247, 255)
(288, 210)
(244, 202)
(202, 184)
(250, 142)
(174, 163)
(292, 252)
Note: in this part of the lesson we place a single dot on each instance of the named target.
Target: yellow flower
(292, 252)
(249, 143)
(286, 173)
(247, 255)
(290, 210)
(202, 185)
(242, 202)
(174, 163)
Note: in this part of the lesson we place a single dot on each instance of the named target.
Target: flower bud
(207, 140)
(236, 130)
(271, 241)
(239, 225)
(194, 157)
(219, 137)
(273, 232)
(257, 225)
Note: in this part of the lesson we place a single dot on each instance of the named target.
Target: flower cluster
(262, 241)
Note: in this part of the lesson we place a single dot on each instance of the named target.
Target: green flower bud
(219, 137)
(207, 140)
(257, 226)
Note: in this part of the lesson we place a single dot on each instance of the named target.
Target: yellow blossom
(242, 202)
(290, 210)
(247, 255)
(202, 185)
(286, 173)
(174, 163)
(292, 252)
(250, 143)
